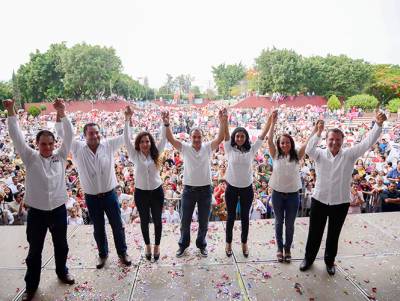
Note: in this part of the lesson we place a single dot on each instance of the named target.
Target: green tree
(394, 105)
(338, 75)
(280, 71)
(42, 77)
(5, 92)
(386, 82)
(34, 111)
(364, 101)
(334, 103)
(89, 71)
(227, 76)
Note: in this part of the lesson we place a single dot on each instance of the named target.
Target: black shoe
(156, 256)
(101, 262)
(180, 252)
(228, 249)
(28, 295)
(305, 265)
(331, 269)
(125, 259)
(245, 250)
(67, 279)
(204, 252)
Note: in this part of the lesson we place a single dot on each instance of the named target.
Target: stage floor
(368, 266)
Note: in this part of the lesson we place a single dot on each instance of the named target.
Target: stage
(368, 266)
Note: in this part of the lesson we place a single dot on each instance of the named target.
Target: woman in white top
(239, 177)
(356, 200)
(257, 209)
(286, 183)
(149, 194)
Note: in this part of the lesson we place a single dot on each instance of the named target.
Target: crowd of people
(185, 161)
(372, 175)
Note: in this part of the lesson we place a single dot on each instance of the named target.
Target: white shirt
(257, 210)
(123, 196)
(126, 215)
(74, 220)
(334, 172)
(285, 175)
(196, 164)
(70, 203)
(239, 172)
(96, 170)
(45, 177)
(173, 218)
(147, 175)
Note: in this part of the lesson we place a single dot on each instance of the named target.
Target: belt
(197, 187)
(287, 193)
(100, 195)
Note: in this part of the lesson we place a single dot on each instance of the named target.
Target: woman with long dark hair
(149, 194)
(240, 154)
(286, 183)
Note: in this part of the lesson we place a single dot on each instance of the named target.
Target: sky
(155, 37)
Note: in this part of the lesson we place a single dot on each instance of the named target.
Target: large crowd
(376, 174)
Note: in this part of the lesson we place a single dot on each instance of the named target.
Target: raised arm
(118, 141)
(311, 148)
(266, 128)
(68, 132)
(359, 149)
(170, 137)
(319, 127)
(227, 135)
(15, 133)
(163, 139)
(273, 119)
(127, 133)
(223, 117)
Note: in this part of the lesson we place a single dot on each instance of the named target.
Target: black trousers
(245, 196)
(37, 224)
(320, 212)
(146, 201)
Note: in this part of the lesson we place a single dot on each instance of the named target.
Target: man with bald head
(197, 182)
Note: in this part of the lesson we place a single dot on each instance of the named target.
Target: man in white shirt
(197, 182)
(45, 195)
(334, 167)
(94, 159)
(172, 216)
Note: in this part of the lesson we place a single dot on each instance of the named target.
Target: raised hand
(165, 117)
(380, 117)
(8, 104)
(319, 127)
(128, 112)
(224, 116)
(274, 116)
(59, 105)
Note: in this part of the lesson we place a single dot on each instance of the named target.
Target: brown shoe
(67, 279)
(101, 262)
(125, 259)
(28, 295)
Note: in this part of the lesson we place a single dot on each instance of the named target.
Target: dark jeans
(192, 195)
(285, 207)
(146, 201)
(37, 224)
(97, 206)
(318, 216)
(245, 196)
